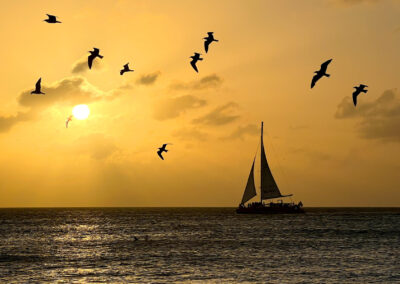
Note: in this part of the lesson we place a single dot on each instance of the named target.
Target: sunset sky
(319, 147)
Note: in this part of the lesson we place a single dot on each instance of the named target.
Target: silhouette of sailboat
(268, 190)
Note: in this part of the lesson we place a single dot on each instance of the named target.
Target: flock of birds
(322, 72)
(95, 53)
(195, 58)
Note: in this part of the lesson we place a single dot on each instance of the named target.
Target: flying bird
(161, 150)
(360, 89)
(196, 57)
(322, 72)
(38, 88)
(126, 69)
(209, 40)
(52, 19)
(68, 120)
(93, 54)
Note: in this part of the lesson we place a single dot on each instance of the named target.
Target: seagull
(126, 69)
(209, 40)
(162, 149)
(93, 55)
(322, 72)
(360, 89)
(52, 19)
(68, 120)
(37, 90)
(195, 58)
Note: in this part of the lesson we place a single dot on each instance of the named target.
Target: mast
(262, 145)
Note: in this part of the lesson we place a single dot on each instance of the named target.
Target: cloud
(6, 123)
(219, 116)
(81, 65)
(173, 107)
(379, 119)
(242, 131)
(148, 79)
(207, 82)
(97, 146)
(353, 2)
(69, 91)
(190, 134)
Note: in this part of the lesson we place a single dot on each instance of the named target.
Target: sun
(81, 112)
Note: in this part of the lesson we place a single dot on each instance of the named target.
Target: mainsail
(269, 188)
(250, 190)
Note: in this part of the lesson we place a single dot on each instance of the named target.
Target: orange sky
(320, 148)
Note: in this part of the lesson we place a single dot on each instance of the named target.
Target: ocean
(199, 245)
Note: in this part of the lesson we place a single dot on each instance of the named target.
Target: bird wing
(96, 49)
(126, 66)
(38, 86)
(314, 80)
(159, 154)
(355, 94)
(206, 44)
(90, 60)
(324, 65)
(193, 63)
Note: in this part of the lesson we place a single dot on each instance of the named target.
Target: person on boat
(300, 204)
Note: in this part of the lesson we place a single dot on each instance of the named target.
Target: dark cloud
(190, 134)
(379, 119)
(81, 65)
(69, 91)
(219, 116)
(207, 82)
(148, 79)
(173, 107)
(242, 131)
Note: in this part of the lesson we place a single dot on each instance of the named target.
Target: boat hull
(270, 210)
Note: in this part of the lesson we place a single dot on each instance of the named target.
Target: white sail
(250, 190)
(269, 188)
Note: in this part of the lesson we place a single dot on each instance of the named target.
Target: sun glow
(81, 112)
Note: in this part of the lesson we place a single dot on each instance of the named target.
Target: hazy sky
(320, 148)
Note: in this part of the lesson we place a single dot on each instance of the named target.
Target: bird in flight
(209, 39)
(38, 87)
(52, 19)
(196, 57)
(161, 150)
(359, 89)
(320, 73)
(93, 54)
(126, 69)
(68, 120)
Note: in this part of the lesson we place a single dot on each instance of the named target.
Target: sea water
(199, 245)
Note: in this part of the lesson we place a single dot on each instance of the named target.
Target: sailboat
(268, 190)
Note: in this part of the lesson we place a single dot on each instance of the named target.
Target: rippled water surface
(199, 245)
